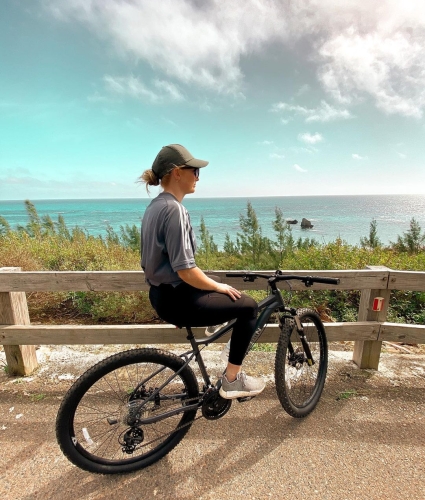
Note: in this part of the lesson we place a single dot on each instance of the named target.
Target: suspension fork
(306, 347)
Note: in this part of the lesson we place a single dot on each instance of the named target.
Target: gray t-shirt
(168, 240)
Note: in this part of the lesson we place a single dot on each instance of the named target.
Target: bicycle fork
(306, 347)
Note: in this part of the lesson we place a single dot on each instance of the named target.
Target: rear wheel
(300, 380)
(100, 424)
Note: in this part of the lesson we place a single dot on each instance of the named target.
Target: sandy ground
(365, 440)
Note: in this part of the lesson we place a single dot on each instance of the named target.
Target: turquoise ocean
(345, 217)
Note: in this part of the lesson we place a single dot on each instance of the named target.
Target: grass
(37, 397)
(347, 394)
(264, 347)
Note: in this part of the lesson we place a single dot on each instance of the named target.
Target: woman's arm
(198, 279)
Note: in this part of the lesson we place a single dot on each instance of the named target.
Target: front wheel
(127, 412)
(300, 377)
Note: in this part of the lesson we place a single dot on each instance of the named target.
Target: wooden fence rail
(19, 337)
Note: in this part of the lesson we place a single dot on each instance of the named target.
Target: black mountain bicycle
(131, 409)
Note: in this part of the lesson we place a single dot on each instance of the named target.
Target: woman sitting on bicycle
(180, 292)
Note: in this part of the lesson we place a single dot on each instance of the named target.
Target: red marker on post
(378, 303)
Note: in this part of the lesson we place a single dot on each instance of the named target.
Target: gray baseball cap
(174, 155)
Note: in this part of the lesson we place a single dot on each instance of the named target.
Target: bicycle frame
(267, 306)
(273, 302)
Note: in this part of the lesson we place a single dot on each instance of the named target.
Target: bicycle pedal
(246, 398)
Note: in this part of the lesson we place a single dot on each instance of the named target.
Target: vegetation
(373, 241)
(46, 244)
(412, 241)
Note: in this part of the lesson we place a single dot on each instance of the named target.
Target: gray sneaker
(242, 387)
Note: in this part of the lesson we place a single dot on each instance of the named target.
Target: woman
(180, 292)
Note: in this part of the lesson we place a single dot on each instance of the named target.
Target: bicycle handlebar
(307, 280)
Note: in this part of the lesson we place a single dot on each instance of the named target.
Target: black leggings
(185, 305)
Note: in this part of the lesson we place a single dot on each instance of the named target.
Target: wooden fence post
(21, 360)
(366, 353)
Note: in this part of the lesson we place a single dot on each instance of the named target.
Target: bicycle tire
(298, 385)
(92, 425)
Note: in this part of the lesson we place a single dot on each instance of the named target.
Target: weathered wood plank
(153, 334)
(92, 334)
(351, 331)
(66, 281)
(20, 359)
(407, 280)
(396, 332)
(55, 281)
(366, 354)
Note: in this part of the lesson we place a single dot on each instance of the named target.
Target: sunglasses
(195, 171)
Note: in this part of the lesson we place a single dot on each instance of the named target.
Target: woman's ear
(176, 174)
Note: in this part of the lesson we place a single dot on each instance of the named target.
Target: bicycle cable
(142, 445)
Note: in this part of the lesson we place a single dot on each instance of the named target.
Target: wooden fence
(19, 337)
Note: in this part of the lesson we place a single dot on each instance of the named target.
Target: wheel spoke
(298, 383)
(104, 406)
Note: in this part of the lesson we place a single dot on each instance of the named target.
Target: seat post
(189, 333)
(191, 338)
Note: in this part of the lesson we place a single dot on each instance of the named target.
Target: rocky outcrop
(306, 224)
(291, 221)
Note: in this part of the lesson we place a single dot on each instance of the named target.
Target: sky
(283, 98)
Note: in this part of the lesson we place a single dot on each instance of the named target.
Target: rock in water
(306, 224)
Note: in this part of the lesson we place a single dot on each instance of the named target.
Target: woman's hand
(228, 290)
(197, 278)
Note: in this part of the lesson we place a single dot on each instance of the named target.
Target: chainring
(214, 406)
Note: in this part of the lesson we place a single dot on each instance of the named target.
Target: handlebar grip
(328, 281)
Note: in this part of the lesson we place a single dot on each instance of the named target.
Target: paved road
(364, 441)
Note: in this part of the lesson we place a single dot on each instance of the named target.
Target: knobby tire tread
(64, 421)
(303, 409)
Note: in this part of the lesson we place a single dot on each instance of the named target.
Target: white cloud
(133, 87)
(361, 48)
(97, 97)
(386, 62)
(266, 143)
(298, 168)
(323, 113)
(275, 156)
(310, 138)
(18, 183)
(303, 89)
(169, 89)
(193, 42)
(402, 156)
(356, 156)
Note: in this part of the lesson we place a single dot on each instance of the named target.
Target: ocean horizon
(338, 216)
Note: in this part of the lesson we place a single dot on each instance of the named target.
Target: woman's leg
(189, 306)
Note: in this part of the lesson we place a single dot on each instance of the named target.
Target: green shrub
(43, 244)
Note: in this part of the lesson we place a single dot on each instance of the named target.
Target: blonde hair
(150, 178)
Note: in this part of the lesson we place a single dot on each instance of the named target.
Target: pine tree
(4, 226)
(285, 241)
(251, 240)
(373, 241)
(412, 240)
